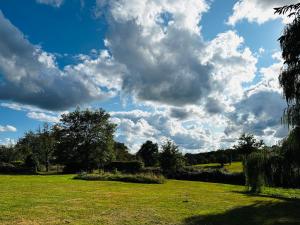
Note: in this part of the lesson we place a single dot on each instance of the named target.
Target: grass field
(234, 167)
(61, 200)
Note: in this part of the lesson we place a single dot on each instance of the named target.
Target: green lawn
(61, 200)
(234, 167)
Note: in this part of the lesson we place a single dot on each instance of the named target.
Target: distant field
(62, 200)
(235, 167)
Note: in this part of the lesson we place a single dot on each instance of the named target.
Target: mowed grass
(62, 200)
(234, 167)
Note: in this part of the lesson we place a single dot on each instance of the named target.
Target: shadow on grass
(260, 213)
(277, 196)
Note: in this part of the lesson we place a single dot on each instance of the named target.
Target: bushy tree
(222, 159)
(7, 154)
(148, 153)
(254, 168)
(85, 140)
(29, 150)
(47, 144)
(290, 74)
(248, 144)
(122, 153)
(170, 159)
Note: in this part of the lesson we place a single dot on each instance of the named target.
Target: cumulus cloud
(259, 11)
(166, 58)
(54, 3)
(7, 128)
(43, 117)
(30, 76)
(261, 108)
(162, 66)
(135, 127)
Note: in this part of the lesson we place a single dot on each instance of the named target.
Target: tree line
(83, 140)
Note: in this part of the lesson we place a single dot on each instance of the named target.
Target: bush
(132, 178)
(255, 167)
(126, 167)
(153, 170)
(209, 175)
(10, 168)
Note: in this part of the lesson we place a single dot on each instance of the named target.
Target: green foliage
(248, 144)
(254, 168)
(289, 76)
(146, 178)
(148, 153)
(223, 159)
(215, 175)
(171, 159)
(121, 152)
(125, 166)
(7, 154)
(85, 140)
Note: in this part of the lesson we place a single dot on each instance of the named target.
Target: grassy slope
(235, 167)
(62, 200)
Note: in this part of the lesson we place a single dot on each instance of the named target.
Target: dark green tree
(290, 75)
(122, 153)
(248, 144)
(29, 149)
(47, 144)
(148, 153)
(85, 140)
(170, 159)
(289, 79)
(222, 159)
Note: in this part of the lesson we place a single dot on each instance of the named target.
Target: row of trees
(84, 141)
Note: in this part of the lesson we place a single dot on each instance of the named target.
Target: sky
(197, 72)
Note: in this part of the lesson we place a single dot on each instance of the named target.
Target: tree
(170, 158)
(290, 74)
(7, 154)
(121, 152)
(248, 144)
(47, 142)
(85, 140)
(289, 79)
(148, 153)
(222, 159)
(29, 148)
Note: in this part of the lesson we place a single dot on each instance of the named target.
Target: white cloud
(54, 3)
(259, 11)
(31, 76)
(43, 117)
(7, 128)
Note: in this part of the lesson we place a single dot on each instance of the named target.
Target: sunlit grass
(62, 200)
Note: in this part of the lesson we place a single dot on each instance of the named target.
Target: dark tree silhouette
(248, 144)
(290, 75)
(171, 159)
(148, 153)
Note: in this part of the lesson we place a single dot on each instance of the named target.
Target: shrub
(255, 167)
(132, 178)
(126, 166)
(153, 170)
(10, 168)
(209, 175)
